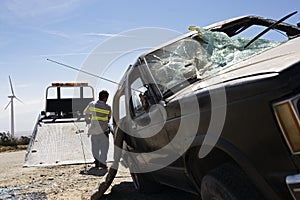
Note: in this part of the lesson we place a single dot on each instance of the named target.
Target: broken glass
(191, 59)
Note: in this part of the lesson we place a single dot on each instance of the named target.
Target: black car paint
(250, 137)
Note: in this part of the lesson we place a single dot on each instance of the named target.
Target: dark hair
(103, 95)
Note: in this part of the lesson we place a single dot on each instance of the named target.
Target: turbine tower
(11, 102)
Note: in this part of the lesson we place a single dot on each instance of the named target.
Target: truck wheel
(227, 182)
(144, 183)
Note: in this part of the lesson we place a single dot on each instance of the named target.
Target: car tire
(227, 182)
(144, 183)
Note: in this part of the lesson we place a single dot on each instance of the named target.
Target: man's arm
(109, 114)
(87, 114)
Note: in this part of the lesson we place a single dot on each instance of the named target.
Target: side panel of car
(251, 130)
(250, 137)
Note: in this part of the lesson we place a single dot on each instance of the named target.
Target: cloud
(103, 35)
(22, 86)
(79, 53)
(35, 8)
(57, 33)
(12, 10)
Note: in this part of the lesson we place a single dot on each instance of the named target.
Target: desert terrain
(66, 182)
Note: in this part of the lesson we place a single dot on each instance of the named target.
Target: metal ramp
(59, 144)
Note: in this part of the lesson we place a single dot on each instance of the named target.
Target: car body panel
(251, 136)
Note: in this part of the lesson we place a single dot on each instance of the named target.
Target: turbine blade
(7, 105)
(19, 100)
(11, 87)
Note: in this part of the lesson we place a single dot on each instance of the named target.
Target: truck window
(67, 100)
(138, 97)
(122, 107)
(183, 62)
(52, 93)
(88, 92)
(70, 92)
(175, 64)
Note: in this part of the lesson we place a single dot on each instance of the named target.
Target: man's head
(103, 95)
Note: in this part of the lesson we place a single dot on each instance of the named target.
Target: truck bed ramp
(59, 144)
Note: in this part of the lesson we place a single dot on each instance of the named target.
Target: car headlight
(287, 115)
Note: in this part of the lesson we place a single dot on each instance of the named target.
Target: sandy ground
(66, 182)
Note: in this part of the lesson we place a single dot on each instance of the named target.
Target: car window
(138, 97)
(176, 63)
(122, 107)
(190, 59)
(272, 35)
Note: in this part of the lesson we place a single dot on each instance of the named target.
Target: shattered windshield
(192, 59)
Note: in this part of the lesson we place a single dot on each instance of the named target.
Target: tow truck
(60, 133)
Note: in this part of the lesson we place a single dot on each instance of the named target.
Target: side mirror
(162, 103)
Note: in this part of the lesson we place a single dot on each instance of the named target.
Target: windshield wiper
(269, 28)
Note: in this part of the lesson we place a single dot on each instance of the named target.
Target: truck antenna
(80, 70)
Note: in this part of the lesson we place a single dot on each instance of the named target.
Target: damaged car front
(216, 114)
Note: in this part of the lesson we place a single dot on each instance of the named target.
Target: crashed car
(216, 113)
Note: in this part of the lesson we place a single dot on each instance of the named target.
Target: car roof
(233, 26)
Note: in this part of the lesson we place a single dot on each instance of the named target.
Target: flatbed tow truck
(60, 133)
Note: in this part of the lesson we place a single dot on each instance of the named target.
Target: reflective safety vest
(99, 114)
(100, 111)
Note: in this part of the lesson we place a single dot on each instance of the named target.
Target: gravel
(68, 182)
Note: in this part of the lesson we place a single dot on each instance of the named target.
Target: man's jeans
(100, 144)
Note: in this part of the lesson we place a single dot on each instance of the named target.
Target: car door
(145, 119)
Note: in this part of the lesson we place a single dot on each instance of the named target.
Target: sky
(68, 31)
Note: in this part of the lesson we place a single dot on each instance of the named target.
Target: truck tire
(227, 182)
(144, 183)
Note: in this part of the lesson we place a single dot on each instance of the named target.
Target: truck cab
(214, 113)
(66, 101)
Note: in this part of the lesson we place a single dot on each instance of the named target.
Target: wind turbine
(11, 102)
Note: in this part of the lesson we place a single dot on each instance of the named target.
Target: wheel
(145, 183)
(227, 182)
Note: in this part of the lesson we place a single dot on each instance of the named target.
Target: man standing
(98, 114)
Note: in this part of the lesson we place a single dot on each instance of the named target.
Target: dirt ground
(66, 182)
